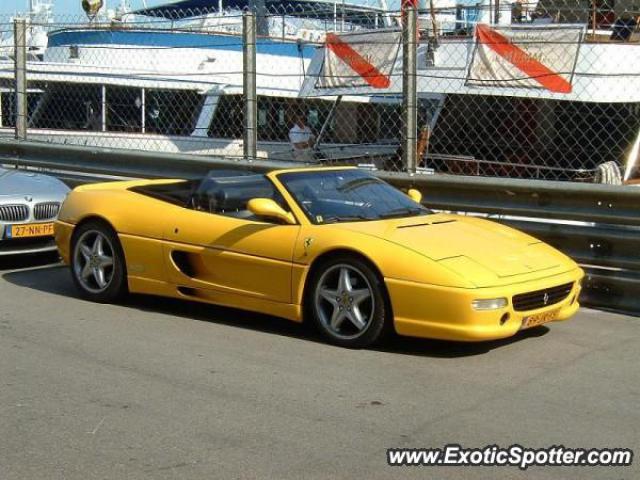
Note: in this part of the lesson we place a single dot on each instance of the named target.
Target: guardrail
(597, 225)
(116, 162)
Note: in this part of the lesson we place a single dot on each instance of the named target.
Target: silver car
(29, 204)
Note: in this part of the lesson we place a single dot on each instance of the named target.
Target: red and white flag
(359, 59)
(525, 58)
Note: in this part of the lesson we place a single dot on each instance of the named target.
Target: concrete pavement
(162, 389)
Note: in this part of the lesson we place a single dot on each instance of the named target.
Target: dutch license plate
(30, 230)
(540, 318)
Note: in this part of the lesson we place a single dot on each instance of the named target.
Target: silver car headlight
(489, 303)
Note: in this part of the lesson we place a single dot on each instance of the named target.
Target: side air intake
(184, 262)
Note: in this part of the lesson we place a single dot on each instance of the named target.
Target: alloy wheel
(344, 301)
(93, 261)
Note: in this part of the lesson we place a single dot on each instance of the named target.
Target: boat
(487, 113)
(169, 79)
(98, 85)
(38, 19)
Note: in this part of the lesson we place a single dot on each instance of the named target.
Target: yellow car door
(230, 255)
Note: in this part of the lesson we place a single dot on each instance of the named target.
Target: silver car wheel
(344, 301)
(93, 261)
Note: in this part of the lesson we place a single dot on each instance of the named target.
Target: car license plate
(30, 230)
(540, 318)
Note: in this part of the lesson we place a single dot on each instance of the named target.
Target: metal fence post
(249, 84)
(409, 94)
(20, 55)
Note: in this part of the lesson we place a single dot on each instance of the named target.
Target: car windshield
(332, 196)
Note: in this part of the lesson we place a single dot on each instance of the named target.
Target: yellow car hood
(484, 252)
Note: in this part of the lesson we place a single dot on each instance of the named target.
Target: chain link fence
(548, 89)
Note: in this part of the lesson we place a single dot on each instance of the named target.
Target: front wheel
(97, 263)
(347, 303)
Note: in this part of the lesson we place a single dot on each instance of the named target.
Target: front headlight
(489, 303)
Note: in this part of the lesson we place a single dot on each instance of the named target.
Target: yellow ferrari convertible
(334, 246)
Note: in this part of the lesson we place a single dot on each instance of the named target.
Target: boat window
(8, 114)
(228, 118)
(467, 17)
(519, 134)
(69, 107)
(8, 111)
(172, 112)
(278, 113)
(390, 118)
(124, 109)
(390, 122)
(351, 122)
(79, 107)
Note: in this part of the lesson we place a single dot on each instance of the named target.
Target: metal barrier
(538, 199)
(597, 225)
(119, 162)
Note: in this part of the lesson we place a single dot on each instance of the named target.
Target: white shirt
(299, 134)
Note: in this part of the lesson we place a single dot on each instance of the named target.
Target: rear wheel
(97, 263)
(347, 303)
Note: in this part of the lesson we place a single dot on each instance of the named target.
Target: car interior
(222, 192)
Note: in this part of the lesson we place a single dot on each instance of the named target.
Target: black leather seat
(229, 195)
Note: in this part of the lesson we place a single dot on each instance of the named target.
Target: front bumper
(432, 311)
(63, 232)
(26, 246)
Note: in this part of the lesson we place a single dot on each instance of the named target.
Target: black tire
(115, 276)
(362, 276)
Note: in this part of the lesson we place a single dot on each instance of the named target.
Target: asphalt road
(160, 389)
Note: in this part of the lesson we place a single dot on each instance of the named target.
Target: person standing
(302, 140)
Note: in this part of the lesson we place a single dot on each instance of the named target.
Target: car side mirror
(414, 195)
(266, 207)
